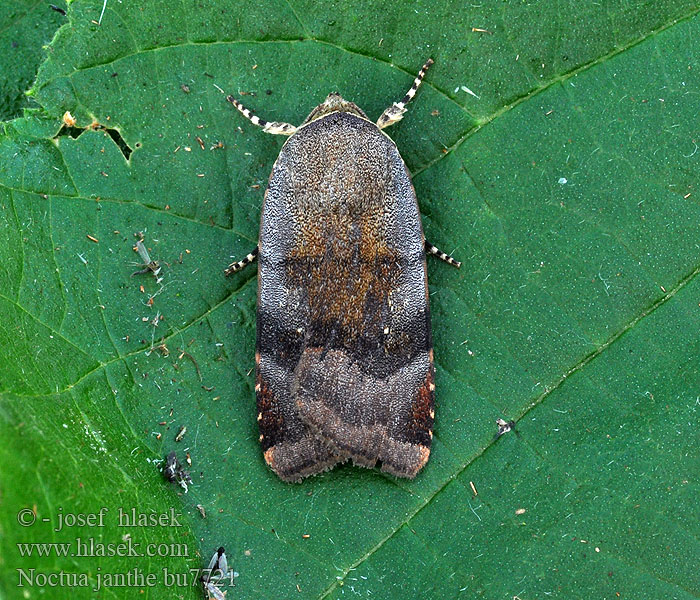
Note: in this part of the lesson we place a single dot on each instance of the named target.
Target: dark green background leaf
(25, 27)
(567, 186)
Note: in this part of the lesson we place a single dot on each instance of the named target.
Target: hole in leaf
(73, 132)
(76, 132)
(120, 142)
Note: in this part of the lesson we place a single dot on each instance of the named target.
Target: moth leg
(394, 113)
(241, 264)
(273, 127)
(435, 251)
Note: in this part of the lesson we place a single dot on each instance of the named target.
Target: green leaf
(564, 178)
(25, 27)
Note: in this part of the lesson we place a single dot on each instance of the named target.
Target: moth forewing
(344, 358)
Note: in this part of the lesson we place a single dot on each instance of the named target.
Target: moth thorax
(334, 103)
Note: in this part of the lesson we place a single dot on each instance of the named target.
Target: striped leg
(435, 251)
(237, 266)
(273, 127)
(395, 112)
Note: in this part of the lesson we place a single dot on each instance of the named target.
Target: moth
(344, 356)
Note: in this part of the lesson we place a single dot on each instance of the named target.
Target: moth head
(334, 103)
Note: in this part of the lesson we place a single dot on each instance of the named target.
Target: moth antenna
(395, 112)
(273, 127)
